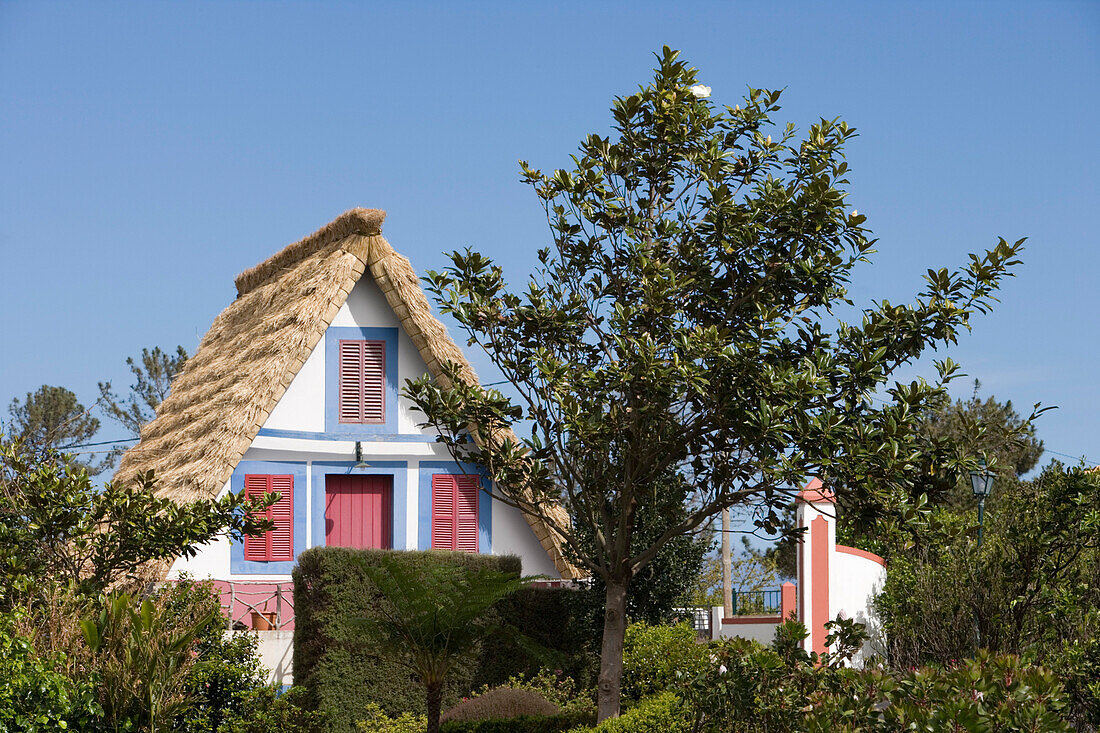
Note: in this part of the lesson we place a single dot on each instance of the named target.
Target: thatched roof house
(258, 345)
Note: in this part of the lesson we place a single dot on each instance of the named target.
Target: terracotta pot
(264, 621)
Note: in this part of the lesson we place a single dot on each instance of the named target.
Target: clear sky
(151, 151)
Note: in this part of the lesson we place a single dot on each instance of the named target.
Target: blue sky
(151, 151)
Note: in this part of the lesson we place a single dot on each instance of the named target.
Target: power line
(102, 442)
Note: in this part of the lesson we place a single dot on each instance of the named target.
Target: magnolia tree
(683, 322)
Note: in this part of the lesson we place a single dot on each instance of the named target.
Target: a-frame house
(300, 371)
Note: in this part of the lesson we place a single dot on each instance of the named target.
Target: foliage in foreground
(345, 668)
(141, 654)
(1032, 587)
(58, 529)
(739, 686)
(501, 702)
(34, 694)
(558, 723)
(159, 664)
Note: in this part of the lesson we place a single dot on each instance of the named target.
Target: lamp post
(981, 483)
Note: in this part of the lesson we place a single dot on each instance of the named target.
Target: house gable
(268, 337)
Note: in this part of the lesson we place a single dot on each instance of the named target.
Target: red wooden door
(358, 511)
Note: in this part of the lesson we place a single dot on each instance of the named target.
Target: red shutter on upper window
(443, 512)
(374, 381)
(454, 512)
(278, 544)
(466, 490)
(362, 381)
(351, 381)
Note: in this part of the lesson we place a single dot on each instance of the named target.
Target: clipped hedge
(547, 617)
(344, 670)
(522, 724)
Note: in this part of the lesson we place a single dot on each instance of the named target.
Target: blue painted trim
(484, 503)
(379, 437)
(237, 563)
(399, 470)
(332, 380)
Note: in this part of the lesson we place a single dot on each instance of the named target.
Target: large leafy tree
(686, 318)
(153, 378)
(52, 419)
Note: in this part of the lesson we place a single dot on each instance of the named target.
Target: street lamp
(981, 483)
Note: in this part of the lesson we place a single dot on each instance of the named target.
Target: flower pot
(263, 621)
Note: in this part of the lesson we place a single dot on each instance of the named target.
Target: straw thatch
(256, 346)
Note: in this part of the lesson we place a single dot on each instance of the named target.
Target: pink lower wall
(240, 598)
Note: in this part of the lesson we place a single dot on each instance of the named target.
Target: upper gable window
(362, 381)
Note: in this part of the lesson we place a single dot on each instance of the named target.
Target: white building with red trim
(833, 580)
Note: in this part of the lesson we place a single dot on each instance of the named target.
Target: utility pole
(727, 581)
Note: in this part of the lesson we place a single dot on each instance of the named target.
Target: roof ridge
(353, 221)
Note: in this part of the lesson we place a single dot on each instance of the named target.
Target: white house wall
(302, 406)
(513, 536)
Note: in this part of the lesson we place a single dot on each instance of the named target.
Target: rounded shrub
(653, 656)
(501, 703)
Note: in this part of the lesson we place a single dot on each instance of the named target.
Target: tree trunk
(611, 652)
(435, 699)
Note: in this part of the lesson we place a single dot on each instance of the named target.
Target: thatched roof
(256, 346)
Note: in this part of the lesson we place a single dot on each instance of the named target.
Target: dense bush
(267, 710)
(1078, 666)
(524, 724)
(501, 702)
(34, 695)
(747, 687)
(338, 662)
(654, 656)
(226, 687)
(988, 693)
(376, 721)
(1032, 587)
(664, 712)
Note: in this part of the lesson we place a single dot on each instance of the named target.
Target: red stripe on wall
(819, 546)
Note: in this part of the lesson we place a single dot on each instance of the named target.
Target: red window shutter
(466, 514)
(278, 544)
(351, 381)
(255, 548)
(362, 382)
(443, 512)
(374, 381)
(281, 539)
(454, 512)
